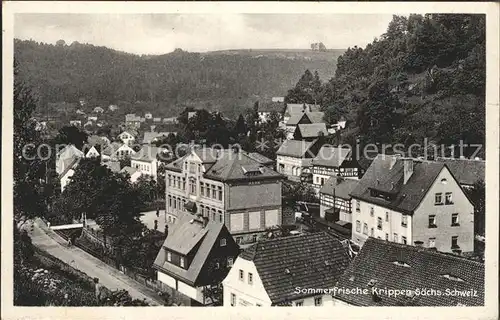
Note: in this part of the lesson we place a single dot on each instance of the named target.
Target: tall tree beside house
(293, 192)
(240, 127)
(71, 135)
(477, 195)
(306, 90)
(28, 167)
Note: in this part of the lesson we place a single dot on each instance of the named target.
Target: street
(93, 267)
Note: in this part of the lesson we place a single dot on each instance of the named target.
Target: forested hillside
(423, 78)
(228, 82)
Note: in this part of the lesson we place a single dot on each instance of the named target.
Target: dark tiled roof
(330, 156)
(260, 158)
(466, 171)
(343, 187)
(183, 237)
(407, 197)
(112, 148)
(315, 260)
(295, 148)
(294, 119)
(294, 108)
(312, 130)
(231, 166)
(129, 170)
(403, 267)
(316, 117)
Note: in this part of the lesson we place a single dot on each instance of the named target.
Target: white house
(66, 156)
(92, 153)
(76, 123)
(146, 160)
(278, 99)
(98, 110)
(133, 172)
(412, 201)
(282, 272)
(127, 137)
(116, 151)
(294, 156)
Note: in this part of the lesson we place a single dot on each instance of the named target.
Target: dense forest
(423, 78)
(165, 84)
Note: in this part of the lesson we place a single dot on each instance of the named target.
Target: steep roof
(260, 158)
(183, 237)
(312, 130)
(466, 171)
(406, 197)
(69, 164)
(342, 187)
(150, 136)
(70, 151)
(129, 170)
(404, 267)
(294, 108)
(112, 148)
(330, 156)
(315, 260)
(114, 166)
(294, 119)
(238, 166)
(316, 116)
(147, 153)
(295, 148)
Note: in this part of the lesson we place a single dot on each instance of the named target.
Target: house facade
(146, 160)
(335, 199)
(92, 152)
(132, 120)
(413, 202)
(127, 137)
(196, 255)
(228, 187)
(292, 122)
(277, 272)
(459, 281)
(116, 151)
(66, 156)
(294, 156)
(332, 162)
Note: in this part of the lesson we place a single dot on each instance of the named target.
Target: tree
(241, 127)
(321, 47)
(478, 197)
(71, 135)
(293, 192)
(60, 43)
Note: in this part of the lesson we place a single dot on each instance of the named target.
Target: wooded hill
(423, 78)
(165, 84)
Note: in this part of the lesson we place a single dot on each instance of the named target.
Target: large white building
(415, 202)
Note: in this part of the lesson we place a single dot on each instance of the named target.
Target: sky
(162, 33)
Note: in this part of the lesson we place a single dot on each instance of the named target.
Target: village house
(424, 277)
(333, 161)
(133, 172)
(294, 156)
(113, 107)
(92, 118)
(156, 120)
(309, 132)
(298, 108)
(302, 118)
(278, 99)
(132, 120)
(265, 161)
(335, 200)
(196, 256)
(114, 166)
(116, 151)
(414, 202)
(279, 272)
(146, 160)
(66, 156)
(127, 137)
(67, 173)
(228, 187)
(340, 125)
(466, 171)
(151, 137)
(76, 123)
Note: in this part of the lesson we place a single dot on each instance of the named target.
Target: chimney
(408, 169)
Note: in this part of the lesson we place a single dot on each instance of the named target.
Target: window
(358, 226)
(208, 190)
(403, 239)
(448, 198)
(175, 203)
(202, 189)
(221, 217)
(250, 278)
(454, 219)
(241, 275)
(371, 211)
(357, 205)
(220, 193)
(169, 256)
(372, 232)
(169, 201)
(432, 221)
(230, 262)
(318, 301)
(183, 183)
(233, 299)
(182, 262)
(432, 242)
(213, 214)
(386, 216)
(238, 240)
(454, 242)
(404, 221)
(223, 242)
(438, 199)
(379, 223)
(169, 180)
(214, 192)
(365, 228)
(386, 237)
(395, 237)
(299, 303)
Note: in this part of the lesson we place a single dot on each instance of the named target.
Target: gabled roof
(295, 148)
(147, 153)
(232, 165)
(330, 156)
(397, 266)
(71, 164)
(129, 170)
(114, 166)
(380, 176)
(342, 187)
(183, 237)
(294, 108)
(314, 117)
(150, 136)
(70, 151)
(314, 260)
(130, 132)
(112, 148)
(466, 171)
(312, 130)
